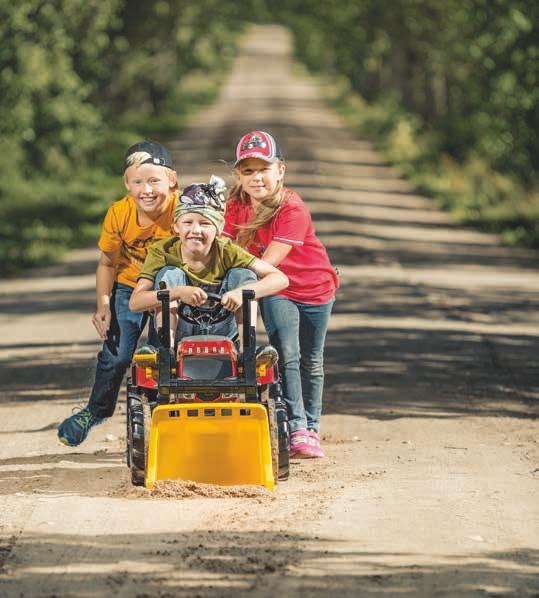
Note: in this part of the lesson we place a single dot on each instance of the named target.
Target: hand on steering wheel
(194, 296)
(233, 299)
(212, 311)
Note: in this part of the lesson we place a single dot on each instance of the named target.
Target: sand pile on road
(177, 489)
(190, 489)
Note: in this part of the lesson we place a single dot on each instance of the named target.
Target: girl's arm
(144, 296)
(105, 276)
(271, 281)
(276, 252)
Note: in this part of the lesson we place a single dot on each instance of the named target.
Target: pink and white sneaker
(314, 442)
(300, 445)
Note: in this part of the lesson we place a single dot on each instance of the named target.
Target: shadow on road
(211, 564)
(73, 473)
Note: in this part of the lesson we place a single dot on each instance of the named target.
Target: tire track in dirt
(430, 478)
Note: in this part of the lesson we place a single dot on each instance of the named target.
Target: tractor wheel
(136, 455)
(128, 439)
(283, 430)
(283, 433)
(147, 411)
(274, 435)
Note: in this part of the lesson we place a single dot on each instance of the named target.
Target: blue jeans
(117, 351)
(233, 279)
(298, 332)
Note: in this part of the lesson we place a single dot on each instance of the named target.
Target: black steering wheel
(206, 315)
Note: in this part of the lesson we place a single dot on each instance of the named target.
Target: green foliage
(449, 89)
(81, 80)
(472, 190)
(467, 70)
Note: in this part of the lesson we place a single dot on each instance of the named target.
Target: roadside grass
(473, 192)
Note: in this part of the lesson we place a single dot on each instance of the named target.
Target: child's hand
(232, 300)
(194, 296)
(101, 320)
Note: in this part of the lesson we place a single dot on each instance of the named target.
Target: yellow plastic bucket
(214, 443)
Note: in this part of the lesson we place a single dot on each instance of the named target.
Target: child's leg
(117, 352)
(281, 319)
(112, 362)
(172, 277)
(314, 320)
(236, 278)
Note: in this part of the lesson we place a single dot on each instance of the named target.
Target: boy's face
(260, 178)
(149, 185)
(196, 233)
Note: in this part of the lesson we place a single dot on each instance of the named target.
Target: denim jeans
(298, 332)
(234, 278)
(117, 351)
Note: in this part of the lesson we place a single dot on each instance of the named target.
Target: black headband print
(209, 195)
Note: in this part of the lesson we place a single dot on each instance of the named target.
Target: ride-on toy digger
(203, 411)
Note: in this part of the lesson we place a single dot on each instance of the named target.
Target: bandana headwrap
(207, 199)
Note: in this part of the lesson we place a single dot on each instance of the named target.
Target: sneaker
(73, 430)
(314, 442)
(300, 448)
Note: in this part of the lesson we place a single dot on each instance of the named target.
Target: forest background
(448, 90)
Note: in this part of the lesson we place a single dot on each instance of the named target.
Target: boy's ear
(282, 168)
(172, 179)
(125, 182)
(175, 227)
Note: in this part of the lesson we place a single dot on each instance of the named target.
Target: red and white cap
(258, 144)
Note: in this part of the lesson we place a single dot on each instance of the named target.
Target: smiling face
(196, 233)
(260, 178)
(149, 185)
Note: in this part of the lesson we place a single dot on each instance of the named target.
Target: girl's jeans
(117, 351)
(234, 278)
(298, 332)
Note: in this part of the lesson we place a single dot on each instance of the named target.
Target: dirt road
(429, 487)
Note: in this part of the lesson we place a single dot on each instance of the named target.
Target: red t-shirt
(312, 277)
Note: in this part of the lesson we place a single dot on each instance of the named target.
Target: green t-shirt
(224, 255)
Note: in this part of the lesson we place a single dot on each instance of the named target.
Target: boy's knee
(172, 277)
(237, 277)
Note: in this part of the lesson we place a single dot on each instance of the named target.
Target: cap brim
(256, 155)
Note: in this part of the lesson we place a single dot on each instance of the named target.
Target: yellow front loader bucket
(214, 443)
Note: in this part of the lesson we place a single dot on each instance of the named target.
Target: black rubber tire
(136, 443)
(147, 411)
(283, 433)
(274, 435)
(283, 430)
(131, 391)
(137, 477)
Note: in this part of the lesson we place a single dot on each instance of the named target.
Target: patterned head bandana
(207, 199)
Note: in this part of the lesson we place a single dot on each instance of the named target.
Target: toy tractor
(203, 411)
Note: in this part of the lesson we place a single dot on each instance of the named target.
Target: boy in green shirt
(198, 260)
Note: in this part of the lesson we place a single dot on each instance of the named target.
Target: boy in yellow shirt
(131, 225)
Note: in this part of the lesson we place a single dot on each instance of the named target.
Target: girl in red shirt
(274, 224)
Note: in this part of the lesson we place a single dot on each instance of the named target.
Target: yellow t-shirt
(122, 233)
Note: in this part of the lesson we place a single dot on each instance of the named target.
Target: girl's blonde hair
(136, 159)
(265, 210)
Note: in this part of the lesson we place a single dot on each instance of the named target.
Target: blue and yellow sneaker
(73, 430)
